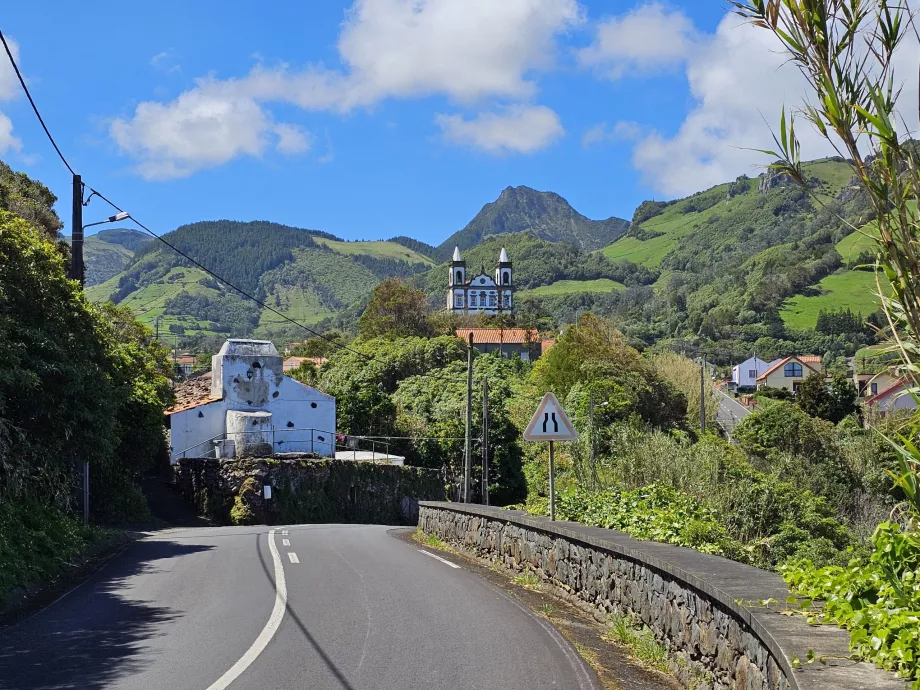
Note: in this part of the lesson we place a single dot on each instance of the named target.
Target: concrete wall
(702, 608)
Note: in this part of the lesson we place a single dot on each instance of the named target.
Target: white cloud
(602, 132)
(514, 129)
(739, 81)
(468, 50)
(9, 90)
(8, 142)
(650, 38)
(292, 139)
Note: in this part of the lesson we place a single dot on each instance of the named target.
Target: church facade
(481, 293)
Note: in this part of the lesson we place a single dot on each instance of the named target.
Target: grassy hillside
(307, 277)
(853, 290)
(569, 287)
(108, 252)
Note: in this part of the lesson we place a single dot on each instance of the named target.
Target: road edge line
(271, 626)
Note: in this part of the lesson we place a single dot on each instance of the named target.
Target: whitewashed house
(252, 408)
(746, 373)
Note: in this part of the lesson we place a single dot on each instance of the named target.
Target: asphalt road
(730, 412)
(354, 608)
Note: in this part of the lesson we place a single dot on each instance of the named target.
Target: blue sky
(376, 118)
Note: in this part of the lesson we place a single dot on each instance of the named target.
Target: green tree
(812, 396)
(396, 310)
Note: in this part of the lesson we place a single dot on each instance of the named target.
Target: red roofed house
(892, 399)
(523, 342)
(294, 362)
(789, 372)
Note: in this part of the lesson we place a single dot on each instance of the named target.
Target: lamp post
(76, 248)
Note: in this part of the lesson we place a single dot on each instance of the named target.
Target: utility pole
(85, 493)
(703, 395)
(485, 441)
(76, 230)
(468, 460)
(591, 465)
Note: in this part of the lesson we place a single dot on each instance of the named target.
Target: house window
(792, 369)
(752, 373)
(458, 300)
(874, 388)
(493, 300)
(472, 299)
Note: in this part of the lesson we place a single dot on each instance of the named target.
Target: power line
(167, 243)
(32, 102)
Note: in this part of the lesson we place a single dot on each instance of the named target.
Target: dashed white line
(443, 560)
(271, 627)
(285, 542)
(293, 557)
(284, 533)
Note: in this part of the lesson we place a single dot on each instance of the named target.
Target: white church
(480, 294)
(252, 409)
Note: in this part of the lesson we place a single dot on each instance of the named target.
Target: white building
(481, 294)
(746, 373)
(252, 408)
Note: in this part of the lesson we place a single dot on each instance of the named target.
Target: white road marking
(271, 627)
(284, 533)
(293, 557)
(285, 542)
(443, 560)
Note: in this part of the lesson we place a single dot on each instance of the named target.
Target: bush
(245, 506)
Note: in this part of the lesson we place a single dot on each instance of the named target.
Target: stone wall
(701, 608)
(306, 489)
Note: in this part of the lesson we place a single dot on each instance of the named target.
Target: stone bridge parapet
(703, 609)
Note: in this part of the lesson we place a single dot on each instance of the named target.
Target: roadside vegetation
(80, 383)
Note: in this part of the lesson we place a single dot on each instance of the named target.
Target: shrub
(245, 506)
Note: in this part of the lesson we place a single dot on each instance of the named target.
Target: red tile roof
(807, 360)
(888, 391)
(495, 336)
(547, 344)
(193, 393)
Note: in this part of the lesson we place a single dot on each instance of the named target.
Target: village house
(510, 342)
(789, 372)
(878, 383)
(292, 363)
(895, 398)
(745, 375)
(250, 408)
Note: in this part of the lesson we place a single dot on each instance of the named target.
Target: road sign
(550, 422)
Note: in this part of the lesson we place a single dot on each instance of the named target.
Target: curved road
(354, 608)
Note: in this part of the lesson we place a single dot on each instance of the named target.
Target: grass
(639, 640)
(431, 540)
(854, 290)
(527, 581)
(378, 249)
(569, 287)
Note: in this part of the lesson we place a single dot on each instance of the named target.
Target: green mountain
(305, 275)
(545, 215)
(746, 265)
(108, 252)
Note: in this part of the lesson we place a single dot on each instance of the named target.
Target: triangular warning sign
(550, 422)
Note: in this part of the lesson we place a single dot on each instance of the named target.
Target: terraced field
(854, 290)
(569, 287)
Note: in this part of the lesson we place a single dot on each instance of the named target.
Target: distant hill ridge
(545, 215)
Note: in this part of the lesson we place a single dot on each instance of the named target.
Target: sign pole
(552, 483)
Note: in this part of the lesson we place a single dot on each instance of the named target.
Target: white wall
(741, 373)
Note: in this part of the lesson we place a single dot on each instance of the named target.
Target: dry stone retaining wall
(693, 602)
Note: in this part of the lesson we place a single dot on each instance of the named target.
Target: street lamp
(76, 244)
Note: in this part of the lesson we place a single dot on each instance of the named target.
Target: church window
(507, 300)
(506, 278)
(458, 300)
(459, 277)
(493, 300)
(482, 299)
(472, 299)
